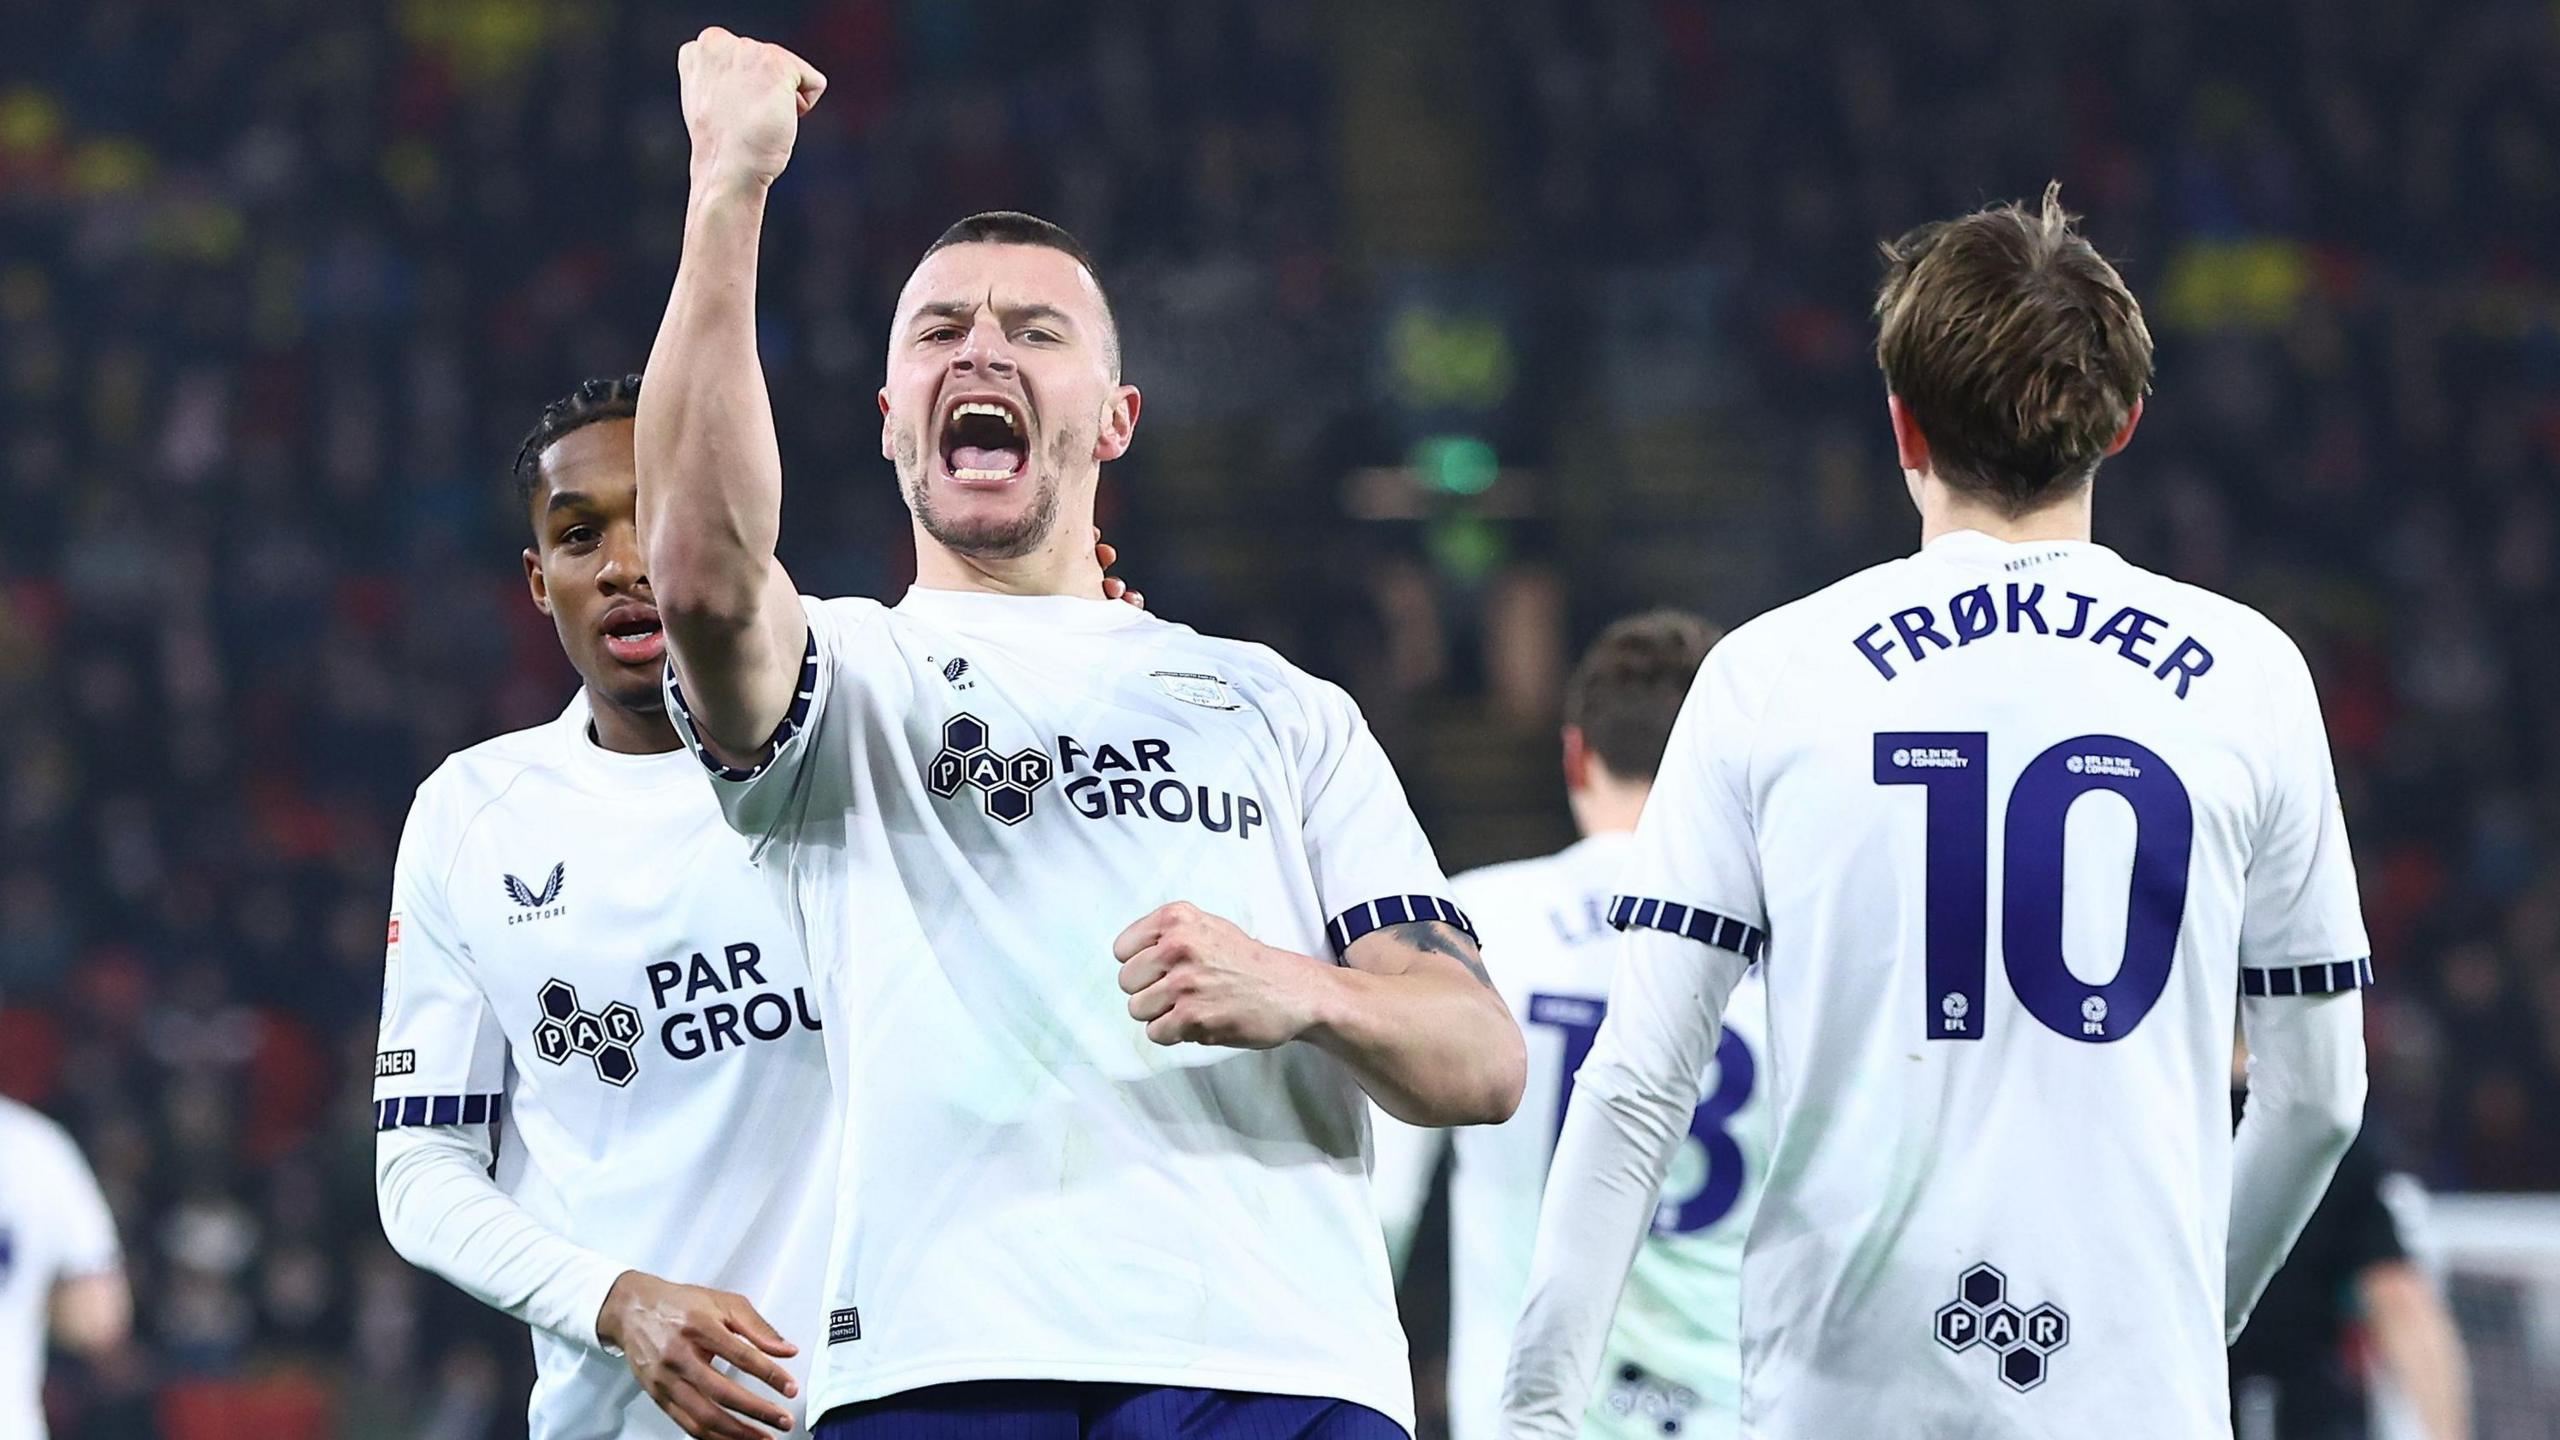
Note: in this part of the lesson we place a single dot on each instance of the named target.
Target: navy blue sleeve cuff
(1388, 910)
(2323, 979)
(791, 725)
(1636, 912)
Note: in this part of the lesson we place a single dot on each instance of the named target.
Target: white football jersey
(2010, 828)
(1674, 1357)
(54, 1226)
(582, 954)
(972, 798)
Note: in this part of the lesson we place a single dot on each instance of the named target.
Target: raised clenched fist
(743, 100)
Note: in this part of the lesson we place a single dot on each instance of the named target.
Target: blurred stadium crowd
(1463, 328)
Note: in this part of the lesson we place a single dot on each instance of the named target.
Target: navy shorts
(1071, 1410)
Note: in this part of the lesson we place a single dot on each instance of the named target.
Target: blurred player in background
(61, 1271)
(1114, 922)
(1673, 1366)
(2351, 1302)
(2005, 1198)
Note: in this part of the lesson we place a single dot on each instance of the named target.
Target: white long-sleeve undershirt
(2306, 1102)
(1631, 1105)
(444, 1214)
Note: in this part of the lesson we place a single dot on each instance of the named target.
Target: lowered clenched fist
(743, 100)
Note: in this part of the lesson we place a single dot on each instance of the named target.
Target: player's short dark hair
(2015, 347)
(1629, 685)
(1014, 227)
(610, 397)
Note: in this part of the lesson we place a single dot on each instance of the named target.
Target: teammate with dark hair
(581, 953)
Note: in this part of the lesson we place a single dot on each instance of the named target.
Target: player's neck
(1056, 568)
(1945, 511)
(1607, 805)
(626, 731)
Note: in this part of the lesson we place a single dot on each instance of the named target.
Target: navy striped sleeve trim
(2324, 979)
(410, 1110)
(1635, 912)
(1389, 910)
(782, 733)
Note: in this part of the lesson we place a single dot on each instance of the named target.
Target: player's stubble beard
(999, 538)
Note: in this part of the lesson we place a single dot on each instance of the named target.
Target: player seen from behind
(1113, 922)
(2013, 827)
(1673, 1363)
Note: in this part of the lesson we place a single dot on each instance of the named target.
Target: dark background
(1464, 327)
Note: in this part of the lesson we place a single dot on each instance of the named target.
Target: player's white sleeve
(442, 1057)
(792, 776)
(1373, 865)
(444, 1214)
(1406, 1157)
(82, 1229)
(1694, 917)
(2306, 1102)
(2304, 958)
(2301, 928)
(438, 1077)
(1631, 1105)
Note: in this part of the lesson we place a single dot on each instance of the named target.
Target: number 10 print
(1950, 765)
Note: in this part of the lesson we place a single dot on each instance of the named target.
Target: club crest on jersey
(1210, 692)
(968, 760)
(605, 1037)
(1981, 1314)
(542, 904)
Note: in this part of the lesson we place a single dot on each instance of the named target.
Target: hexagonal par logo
(2023, 1343)
(608, 1038)
(969, 760)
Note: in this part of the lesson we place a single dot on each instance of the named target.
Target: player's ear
(1119, 424)
(537, 582)
(888, 444)
(2124, 436)
(1910, 447)
(1577, 759)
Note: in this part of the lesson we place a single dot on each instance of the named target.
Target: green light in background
(1456, 464)
(1466, 548)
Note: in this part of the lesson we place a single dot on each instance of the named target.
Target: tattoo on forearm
(1439, 937)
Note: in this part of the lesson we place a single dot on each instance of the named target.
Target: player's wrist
(720, 178)
(1325, 1001)
(619, 1301)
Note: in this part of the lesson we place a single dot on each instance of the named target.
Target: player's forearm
(1432, 1047)
(2306, 1102)
(93, 1314)
(444, 1215)
(2419, 1347)
(710, 482)
(710, 468)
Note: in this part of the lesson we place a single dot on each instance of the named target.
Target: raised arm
(710, 470)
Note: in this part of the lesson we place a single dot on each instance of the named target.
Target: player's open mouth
(633, 636)
(984, 442)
